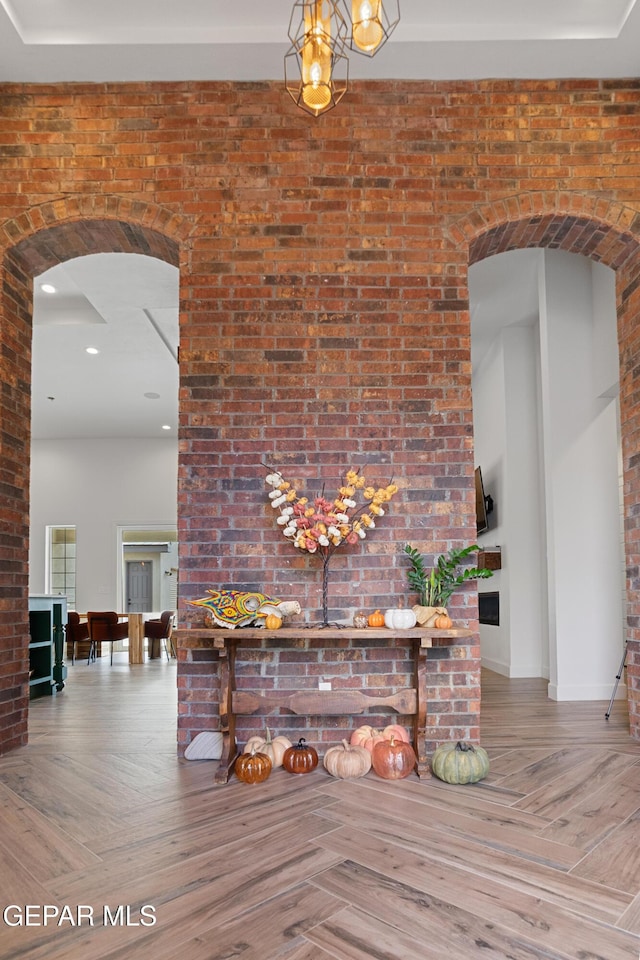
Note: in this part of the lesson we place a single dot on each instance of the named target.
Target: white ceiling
(128, 306)
(46, 40)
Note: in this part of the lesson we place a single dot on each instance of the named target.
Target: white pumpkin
(400, 619)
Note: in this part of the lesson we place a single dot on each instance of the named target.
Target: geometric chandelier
(316, 66)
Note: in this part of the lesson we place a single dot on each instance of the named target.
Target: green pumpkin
(460, 762)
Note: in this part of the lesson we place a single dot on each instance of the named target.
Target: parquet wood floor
(540, 860)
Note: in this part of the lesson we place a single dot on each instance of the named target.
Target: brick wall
(324, 308)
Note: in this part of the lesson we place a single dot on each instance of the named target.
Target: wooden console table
(408, 701)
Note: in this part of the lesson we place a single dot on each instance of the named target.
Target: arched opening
(545, 397)
(104, 429)
(615, 247)
(31, 256)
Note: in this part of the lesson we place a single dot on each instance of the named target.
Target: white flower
(274, 480)
(349, 503)
(276, 503)
(333, 531)
(372, 525)
(273, 494)
(282, 520)
(342, 517)
(323, 541)
(362, 533)
(287, 511)
(380, 512)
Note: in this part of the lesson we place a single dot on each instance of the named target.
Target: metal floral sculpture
(320, 526)
(237, 608)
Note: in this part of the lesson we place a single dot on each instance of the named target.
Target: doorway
(139, 592)
(547, 437)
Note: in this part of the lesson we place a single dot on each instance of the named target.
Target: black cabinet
(47, 617)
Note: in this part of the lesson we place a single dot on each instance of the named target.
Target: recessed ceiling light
(165, 426)
(47, 288)
(92, 350)
(152, 396)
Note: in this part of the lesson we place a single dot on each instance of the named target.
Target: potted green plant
(435, 586)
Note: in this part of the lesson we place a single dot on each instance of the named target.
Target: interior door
(139, 586)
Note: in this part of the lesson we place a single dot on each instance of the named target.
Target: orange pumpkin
(272, 622)
(252, 767)
(376, 619)
(393, 759)
(367, 737)
(443, 622)
(300, 758)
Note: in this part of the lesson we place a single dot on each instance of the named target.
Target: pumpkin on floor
(300, 758)
(393, 759)
(274, 748)
(367, 736)
(252, 767)
(346, 761)
(460, 762)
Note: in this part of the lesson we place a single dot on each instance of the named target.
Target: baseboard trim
(601, 691)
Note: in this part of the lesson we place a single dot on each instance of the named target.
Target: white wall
(581, 476)
(551, 426)
(489, 405)
(98, 485)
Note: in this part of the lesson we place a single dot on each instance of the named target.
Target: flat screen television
(481, 504)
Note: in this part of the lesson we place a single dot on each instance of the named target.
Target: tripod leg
(615, 686)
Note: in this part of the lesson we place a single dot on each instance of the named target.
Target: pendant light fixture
(372, 23)
(316, 67)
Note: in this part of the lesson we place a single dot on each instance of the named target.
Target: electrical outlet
(324, 685)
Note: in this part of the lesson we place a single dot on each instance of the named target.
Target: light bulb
(367, 26)
(316, 75)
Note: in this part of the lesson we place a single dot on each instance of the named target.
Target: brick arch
(600, 229)
(34, 242)
(147, 224)
(610, 234)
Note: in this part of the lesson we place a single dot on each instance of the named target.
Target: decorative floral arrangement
(320, 526)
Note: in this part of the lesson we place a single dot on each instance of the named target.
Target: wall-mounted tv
(481, 504)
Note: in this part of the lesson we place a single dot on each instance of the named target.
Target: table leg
(136, 638)
(227, 715)
(423, 768)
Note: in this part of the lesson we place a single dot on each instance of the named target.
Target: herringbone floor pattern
(540, 860)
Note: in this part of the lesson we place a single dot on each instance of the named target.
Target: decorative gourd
(252, 767)
(367, 736)
(460, 762)
(274, 749)
(397, 732)
(393, 759)
(399, 619)
(376, 619)
(347, 761)
(272, 622)
(300, 758)
(443, 622)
